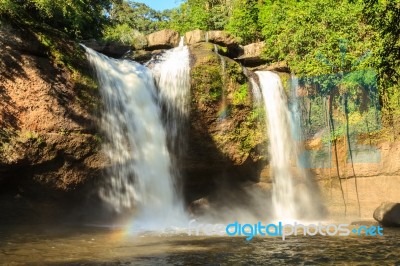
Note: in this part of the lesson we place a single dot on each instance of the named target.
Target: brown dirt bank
(49, 146)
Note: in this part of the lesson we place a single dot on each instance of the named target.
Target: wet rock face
(388, 214)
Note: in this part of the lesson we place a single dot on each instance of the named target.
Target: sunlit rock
(195, 36)
(252, 54)
(162, 39)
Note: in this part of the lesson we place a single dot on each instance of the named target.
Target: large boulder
(280, 66)
(219, 37)
(252, 54)
(142, 56)
(388, 214)
(223, 38)
(195, 36)
(163, 39)
(199, 207)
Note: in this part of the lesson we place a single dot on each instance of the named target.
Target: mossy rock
(222, 104)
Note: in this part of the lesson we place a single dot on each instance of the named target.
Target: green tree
(312, 36)
(244, 22)
(79, 19)
(137, 15)
(384, 16)
(129, 21)
(200, 14)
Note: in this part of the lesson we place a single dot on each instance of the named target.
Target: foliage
(200, 14)
(315, 37)
(240, 95)
(124, 34)
(79, 19)
(211, 88)
(137, 16)
(384, 16)
(244, 22)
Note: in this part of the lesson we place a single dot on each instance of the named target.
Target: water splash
(139, 177)
(182, 42)
(293, 194)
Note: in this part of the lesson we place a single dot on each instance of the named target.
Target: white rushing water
(172, 74)
(293, 196)
(256, 92)
(140, 176)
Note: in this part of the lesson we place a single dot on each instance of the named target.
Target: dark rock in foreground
(388, 214)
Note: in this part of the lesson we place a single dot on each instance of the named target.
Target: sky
(161, 4)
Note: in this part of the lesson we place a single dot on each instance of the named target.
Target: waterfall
(293, 193)
(140, 176)
(223, 109)
(172, 74)
(256, 92)
(255, 89)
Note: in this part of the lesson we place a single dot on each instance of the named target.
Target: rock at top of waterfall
(163, 39)
(388, 214)
(215, 36)
(222, 38)
(225, 39)
(112, 49)
(280, 66)
(253, 49)
(219, 37)
(252, 54)
(195, 36)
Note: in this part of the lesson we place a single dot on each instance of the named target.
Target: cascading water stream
(172, 75)
(140, 176)
(293, 195)
(255, 89)
(223, 108)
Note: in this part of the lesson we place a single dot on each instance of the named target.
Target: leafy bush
(79, 19)
(124, 34)
(240, 95)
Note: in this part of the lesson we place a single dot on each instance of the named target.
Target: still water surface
(99, 246)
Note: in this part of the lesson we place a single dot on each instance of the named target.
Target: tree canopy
(79, 19)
